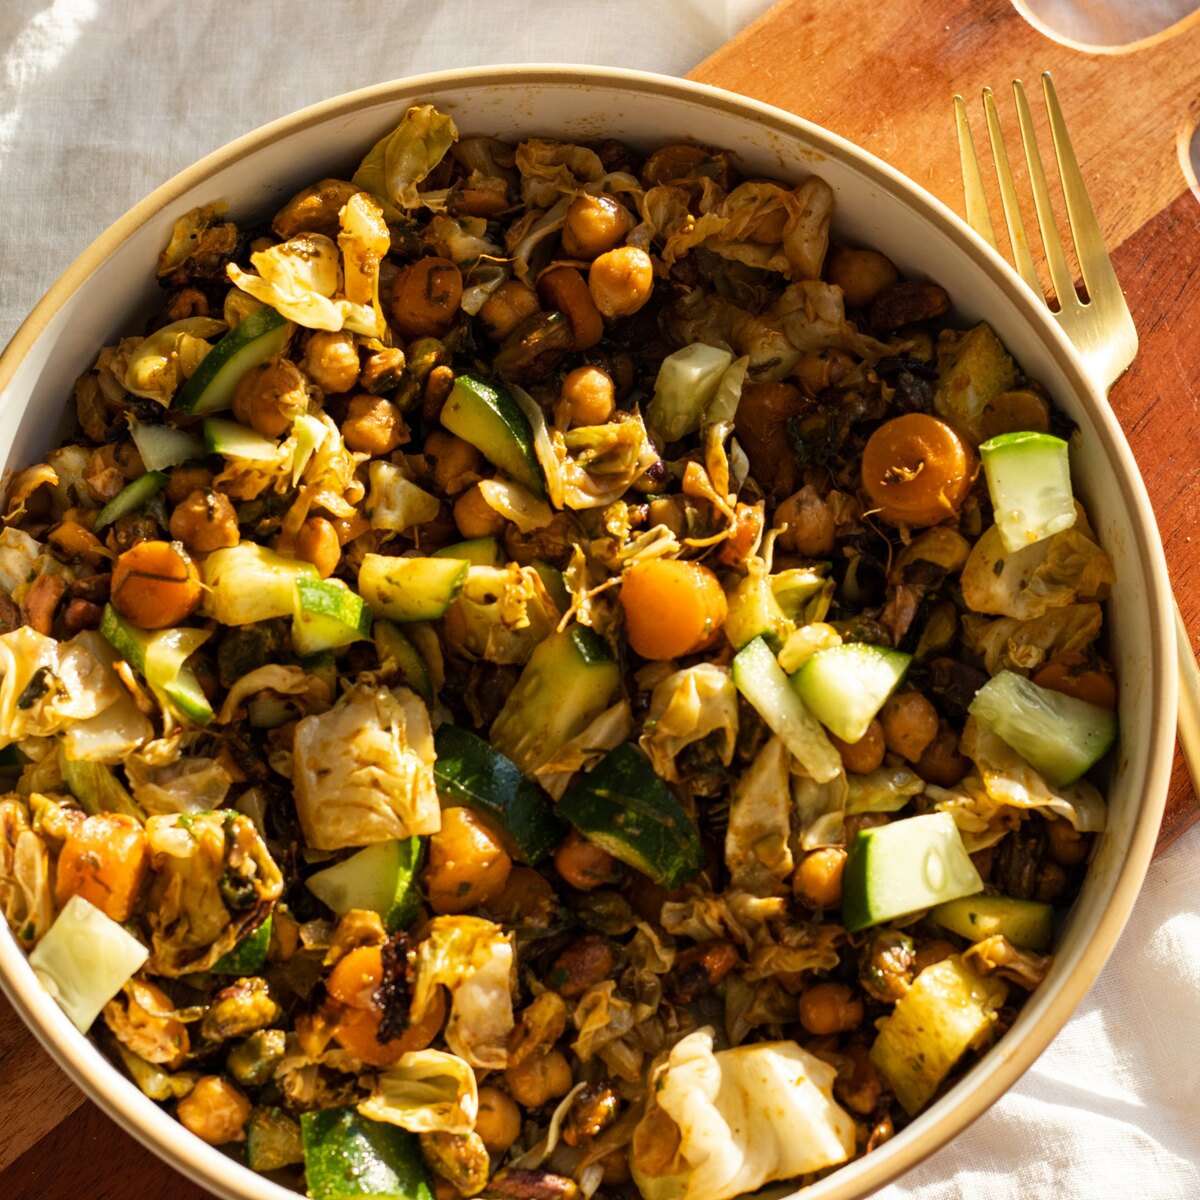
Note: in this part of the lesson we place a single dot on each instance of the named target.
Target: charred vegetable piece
(272, 1140)
(346, 1155)
(623, 806)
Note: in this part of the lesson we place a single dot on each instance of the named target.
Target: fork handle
(1189, 700)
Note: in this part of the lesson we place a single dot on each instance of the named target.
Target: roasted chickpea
(807, 524)
(467, 865)
(594, 224)
(475, 517)
(315, 209)
(819, 369)
(456, 464)
(506, 307)
(373, 426)
(621, 281)
(930, 953)
(583, 865)
(866, 754)
(270, 396)
(317, 543)
(817, 880)
(910, 723)
(587, 396)
(1015, 412)
(499, 1120)
(215, 1111)
(205, 521)
(586, 961)
(155, 585)
(941, 763)
(184, 481)
(861, 274)
(1067, 845)
(425, 298)
(331, 360)
(830, 1008)
(537, 1080)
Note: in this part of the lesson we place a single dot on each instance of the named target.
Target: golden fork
(1100, 327)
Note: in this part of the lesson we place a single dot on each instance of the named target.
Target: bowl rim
(143, 1118)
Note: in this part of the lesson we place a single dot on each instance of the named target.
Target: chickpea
(807, 523)
(317, 543)
(315, 209)
(499, 1119)
(373, 426)
(270, 396)
(456, 464)
(586, 961)
(830, 1008)
(425, 298)
(155, 585)
(910, 723)
(331, 360)
(588, 397)
(467, 865)
(594, 225)
(866, 754)
(621, 280)
(537, 1080)
(205, 521)
(443, 1189)
(215, 1111)
(1067, 845)
(930, 953)
(1051, 884)
(186, 480)
(819, 369)
(475, 517)
(583, 865)
(382, 370)
(1015, 412)
(349, 528)
(861, 274)
(508, 305)
(941, 763)
(817, 880)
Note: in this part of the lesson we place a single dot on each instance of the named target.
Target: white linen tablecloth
(101, 100)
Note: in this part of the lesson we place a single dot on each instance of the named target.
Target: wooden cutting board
(883, 75)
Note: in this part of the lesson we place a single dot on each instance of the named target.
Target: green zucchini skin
(347, 1155)
(469, 772)
(249, 955)
(211, 387)
(485, 415)
(623, 806)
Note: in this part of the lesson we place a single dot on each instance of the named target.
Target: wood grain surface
(883, 76)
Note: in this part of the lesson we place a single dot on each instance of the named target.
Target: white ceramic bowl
(106, 290)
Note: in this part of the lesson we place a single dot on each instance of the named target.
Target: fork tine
(1094, 262)
(1008, 197)
(1060, 273)
(978, 216)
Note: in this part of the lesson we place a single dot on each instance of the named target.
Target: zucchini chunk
(347, 1155)
(623, 806)
(211, 387)
(381, 878)
(130, 498)
(469, 772)
(479, 552)
(248, 583)
(485, 415)
(844, 687)
(328, 615)
(411, 589)
(1027, 924)
(392, 644)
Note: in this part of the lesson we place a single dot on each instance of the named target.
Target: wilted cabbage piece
(403, 158)
(26, 888)
(598, 463)
(688, 706)
(1015, 645)
(162, 361)
(820, 809)
(550, 170)
(606, 732)
(502, 613)
(426, 1091)
(756, 840)
(726, 1123)
(188, 234)
(363, 772)
(394, 502)
(474, 959)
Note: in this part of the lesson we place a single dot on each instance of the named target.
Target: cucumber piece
(130, 498)
(623, 806)
(948, 1010)
(844, 687)
(248, 583)
(896, 869)
(555, 585)
(249, 343)
(249, 956)
(328, 615)
(84, 959)
(159, 657)
(479, 552)
(272, 1139)
(1059, 736)
(381, 878)
(411, 589)
(163, 446)
(1029, 480)
(568, 681)
(686, 384)
(347, 1155)
(391, 644)
(759, 677)
(226, 437)
(1027, 924)
(469, 772)
(485, 415)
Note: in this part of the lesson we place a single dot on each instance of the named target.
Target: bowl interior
(111, 287)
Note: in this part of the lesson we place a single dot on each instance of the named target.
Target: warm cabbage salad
(542, 673)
